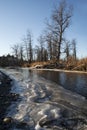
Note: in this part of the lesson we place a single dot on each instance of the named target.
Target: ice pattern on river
(44, 105)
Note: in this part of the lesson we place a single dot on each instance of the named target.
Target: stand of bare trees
(24, 50)
(60, 18)
(51, 44)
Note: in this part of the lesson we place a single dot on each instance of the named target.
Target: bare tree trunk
(74, 48)
(28, 47)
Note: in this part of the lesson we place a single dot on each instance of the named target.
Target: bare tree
(60, 22)
(28, 46)
(45, 54)
(29, 38)
(37, 53)
(15, 50)
(49, 41)
(41, 47)
(21, 52)
(67, 49)
(74, 48)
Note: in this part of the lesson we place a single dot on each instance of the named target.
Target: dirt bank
(6, 97)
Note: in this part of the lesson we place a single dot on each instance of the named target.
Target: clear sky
(17, 16)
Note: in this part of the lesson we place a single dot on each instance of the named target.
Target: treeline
(9, 60)
(51, 44)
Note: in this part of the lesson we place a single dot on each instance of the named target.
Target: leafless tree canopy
(52, 43)
(61, 18)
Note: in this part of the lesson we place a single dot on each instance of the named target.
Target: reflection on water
(76, 82)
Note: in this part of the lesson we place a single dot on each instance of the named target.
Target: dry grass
(71, 64)
(38, 63)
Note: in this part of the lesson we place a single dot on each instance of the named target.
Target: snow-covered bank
(44, 105)
(59, 70)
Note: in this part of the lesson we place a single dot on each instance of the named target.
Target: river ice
(44, 105)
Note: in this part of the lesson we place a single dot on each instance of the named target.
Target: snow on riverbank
(59, 70)
(44, 105)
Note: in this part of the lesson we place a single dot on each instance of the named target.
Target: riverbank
(6, 98)
(73, 66)
(59, 70)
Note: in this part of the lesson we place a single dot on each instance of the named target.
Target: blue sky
(17, 16)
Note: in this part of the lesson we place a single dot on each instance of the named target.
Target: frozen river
(45, 105)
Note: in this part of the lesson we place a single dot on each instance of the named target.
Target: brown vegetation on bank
(71, 64)
(65, 64)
